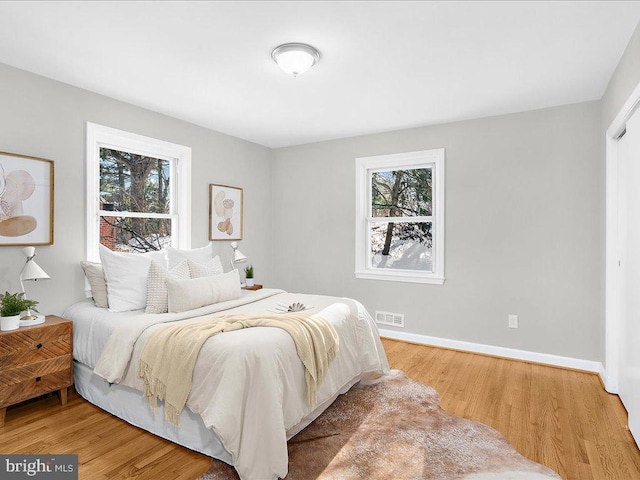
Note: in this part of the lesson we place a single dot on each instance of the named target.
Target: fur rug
(394, 428)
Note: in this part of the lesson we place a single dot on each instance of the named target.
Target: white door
(629, 235)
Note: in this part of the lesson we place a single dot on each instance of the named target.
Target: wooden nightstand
(34, 361)
(257, 286)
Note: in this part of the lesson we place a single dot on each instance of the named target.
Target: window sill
(400, 277)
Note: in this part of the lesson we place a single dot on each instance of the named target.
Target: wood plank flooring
(561, 418)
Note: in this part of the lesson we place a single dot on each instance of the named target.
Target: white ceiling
(384, 65)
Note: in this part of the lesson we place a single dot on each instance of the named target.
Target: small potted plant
(12, 305)
(248, 272)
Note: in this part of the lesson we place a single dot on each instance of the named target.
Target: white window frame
(99, 136)
(433, 159)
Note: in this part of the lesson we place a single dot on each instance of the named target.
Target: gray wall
(44, 118)
(524, 212)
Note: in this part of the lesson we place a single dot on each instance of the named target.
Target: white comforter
(249, 385)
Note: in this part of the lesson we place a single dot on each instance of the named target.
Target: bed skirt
(129, 405)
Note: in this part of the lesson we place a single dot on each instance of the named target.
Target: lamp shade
(295, 58)
(32, 271)
(238, 256)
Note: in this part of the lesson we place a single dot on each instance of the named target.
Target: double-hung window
(138, 192)
(400, 217)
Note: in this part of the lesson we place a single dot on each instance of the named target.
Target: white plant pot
(249, 282)
(9, 323)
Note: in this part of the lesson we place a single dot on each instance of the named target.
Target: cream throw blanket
(169, 356)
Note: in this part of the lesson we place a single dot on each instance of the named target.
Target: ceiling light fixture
(295, 58)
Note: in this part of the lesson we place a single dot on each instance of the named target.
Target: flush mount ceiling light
(295, 58)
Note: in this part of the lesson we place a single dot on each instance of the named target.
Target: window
(138, 192)
(400, 217)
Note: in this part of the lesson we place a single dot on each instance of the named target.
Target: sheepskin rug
(394, 428)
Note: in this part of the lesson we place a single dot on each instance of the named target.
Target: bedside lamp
(238, 256)
(31, 271)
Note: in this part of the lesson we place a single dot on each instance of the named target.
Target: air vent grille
(388, 318)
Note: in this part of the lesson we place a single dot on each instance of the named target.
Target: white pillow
(126, 275)
(197, 292)
(199, 255)
(157, 295)
(211, 268)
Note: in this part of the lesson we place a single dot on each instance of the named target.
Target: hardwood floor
(561, 418)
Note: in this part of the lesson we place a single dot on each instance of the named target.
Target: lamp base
(29, 320)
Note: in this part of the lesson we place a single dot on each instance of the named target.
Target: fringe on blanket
(155, 390)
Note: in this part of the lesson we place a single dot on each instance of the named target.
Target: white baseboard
(544, 358)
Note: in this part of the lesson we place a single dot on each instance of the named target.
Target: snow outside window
(400, 217)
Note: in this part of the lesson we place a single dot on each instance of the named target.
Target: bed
(249, 394)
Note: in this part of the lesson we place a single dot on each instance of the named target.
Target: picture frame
(26, 200)
(225, 212)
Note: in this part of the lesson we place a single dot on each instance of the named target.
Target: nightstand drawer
(34, 387)
(13, 376)
(27, 346)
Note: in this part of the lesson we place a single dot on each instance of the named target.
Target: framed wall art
(26, 200)
(225, 212)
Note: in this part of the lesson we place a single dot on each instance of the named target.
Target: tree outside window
(400, 217)
(400, 197)
(138, 192)
(135, 197)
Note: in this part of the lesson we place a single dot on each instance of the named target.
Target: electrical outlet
(513, 321)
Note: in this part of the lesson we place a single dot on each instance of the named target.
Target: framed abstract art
(26, 200)
(225, 212)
